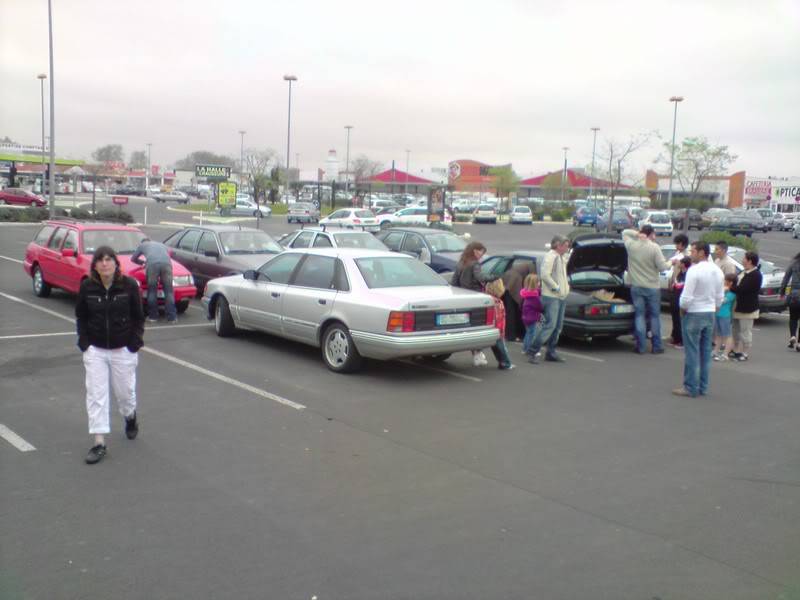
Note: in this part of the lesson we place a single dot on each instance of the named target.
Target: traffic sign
(119, 200)
(226, 193)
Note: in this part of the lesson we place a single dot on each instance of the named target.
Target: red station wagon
(60, 256)
(20, 196)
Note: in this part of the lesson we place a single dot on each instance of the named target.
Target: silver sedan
(353, 304)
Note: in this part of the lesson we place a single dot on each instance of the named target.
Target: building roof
(398, 176)
(575, 179)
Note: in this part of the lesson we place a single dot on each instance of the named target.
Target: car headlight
(182, 280)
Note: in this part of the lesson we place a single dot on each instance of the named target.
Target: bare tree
(364, 168)
(109, 153)
(615, 154)
(260, 165)
(138, 159)
(696, 160)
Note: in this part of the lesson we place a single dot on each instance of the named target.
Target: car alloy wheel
(223, 321)
(40, 286)
(339, 351)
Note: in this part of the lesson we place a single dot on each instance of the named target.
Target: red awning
(398, 176)
(576, 179)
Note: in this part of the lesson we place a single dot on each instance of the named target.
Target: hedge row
(35, 214)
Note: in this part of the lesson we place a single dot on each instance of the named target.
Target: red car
(20, 196)
(60, 256)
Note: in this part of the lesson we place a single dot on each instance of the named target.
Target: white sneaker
(476, 359)
(482, 362)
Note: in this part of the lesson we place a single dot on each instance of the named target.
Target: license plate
(622, 308)
(453, 319)
(160, 294)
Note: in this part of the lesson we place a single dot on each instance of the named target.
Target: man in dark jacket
(110, 323)
(746, 310)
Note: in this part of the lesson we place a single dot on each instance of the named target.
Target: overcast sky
(503, 81)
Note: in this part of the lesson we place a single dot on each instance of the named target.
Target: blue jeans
(549, 328)
(698, 330)
(530, 332)
(647, 309)
(500, 351)
(164, 273)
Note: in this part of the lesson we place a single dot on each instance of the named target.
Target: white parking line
(181, 362)
(572, 354)
(16, 441)
(16, 260)
(60, 333)
(438, 370)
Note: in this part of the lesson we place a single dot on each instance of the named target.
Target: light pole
(290, 79)
(52, 115)
(675, 100)
(591, 179)
(241, 159)
(347, 164)
(564, 173)
(405, 191)
(147, 172)
(41, 77)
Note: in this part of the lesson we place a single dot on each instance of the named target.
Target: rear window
(358, 240)
(445, 242)
(659, 218)
(522, 209)
(388, 272)
(365, 214)
(248, 242)
(123, 242)
(485, 207)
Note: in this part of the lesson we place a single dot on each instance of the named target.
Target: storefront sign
(787, 192)
(436, 197)
(226, 193)
(212, 172)
(760, 188)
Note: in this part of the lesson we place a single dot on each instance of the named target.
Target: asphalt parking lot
(258, 473)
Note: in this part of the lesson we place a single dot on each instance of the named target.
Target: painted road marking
(181, 362)
(16, 441)
(438, 370)
(572, 354)
(58, 333)
(16, 260)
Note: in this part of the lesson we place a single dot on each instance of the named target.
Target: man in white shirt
(555, 288)
(702, 295)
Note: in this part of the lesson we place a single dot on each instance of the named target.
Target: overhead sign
(436, 200)
(226, 193)
(119, 200)
(213, 172)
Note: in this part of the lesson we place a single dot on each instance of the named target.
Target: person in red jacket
(496, 289)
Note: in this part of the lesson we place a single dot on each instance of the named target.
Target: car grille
(425, 320)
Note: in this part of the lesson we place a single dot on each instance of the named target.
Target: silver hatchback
(353, 304)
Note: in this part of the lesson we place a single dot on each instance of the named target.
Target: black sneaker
(96, 454)
(554, 358)
(732, 354)
(131, 427)
(533, 359)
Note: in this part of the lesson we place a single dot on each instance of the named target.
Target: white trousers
(108, 370)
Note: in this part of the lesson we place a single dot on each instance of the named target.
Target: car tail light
(400, 322)
(357, 221)
(490, 318)
(308, 213)
(595, 310)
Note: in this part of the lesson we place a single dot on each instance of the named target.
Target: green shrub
(560, 215)
(80, 213)
(112, 214)
(538, 214)
(9, 214)
(741, 241)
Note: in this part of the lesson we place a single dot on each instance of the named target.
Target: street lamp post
(347, 165)
(591, 179)
(564, 173)
(147, 172)
(241, 159)
(52, 115)
(41, 77)
(290, 79)
(408, 154)
(675, 100)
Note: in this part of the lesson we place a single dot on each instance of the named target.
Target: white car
(413, 215)
(245, 207)
(796, 229)
(174, 195)
(521, 214)
(660, 222)
(352, 218)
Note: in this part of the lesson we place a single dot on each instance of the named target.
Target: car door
(259, 303)
(71, 266)
(335, 218)
(207, 267)
(50, 258)
(303, 240)
(413, 245)
(393, 240)
(184, 251)
(309, 298)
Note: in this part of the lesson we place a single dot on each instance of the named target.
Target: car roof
(221, 228)
(91, 225)
(331, 229)
(420, 230)
(348, 252)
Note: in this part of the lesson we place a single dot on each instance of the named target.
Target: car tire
(386, 225)
(182, 306)
(223, 321)
(258, 214)
(40, 287)
(437, 358)
(338, 350)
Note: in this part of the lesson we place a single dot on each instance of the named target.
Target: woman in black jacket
(745, 312)
(110, 322)
(790, 287)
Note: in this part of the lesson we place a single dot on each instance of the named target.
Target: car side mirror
(250, 274)
(212, 253)
(68, 252)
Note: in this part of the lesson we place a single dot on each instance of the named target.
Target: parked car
(755, 218)
(767, 215)
(596, 270)
(362, 218)
(353, 304)
(485, 213)
(796, 229)
(690, 216)
(709, 217)
(331, 237)
(60, 256)
(245, 207)
(622, 219)
(660, 222)
(437, 248)
(783, 221)
(735, 225)
(412, 215)
(210, 251)
(21, 197)
(128, 190)
(585, 215)
(172, 196)
(769, 296)
(521, 214)
(302, 212)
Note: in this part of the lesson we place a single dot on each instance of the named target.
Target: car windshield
(485, 207)
(659, 218)
(765, 266)
(122, 241)
(388, 272)
(300, 206)
(248, 242)
(522, 209)
(358, 239)
(445, 242)
(365, 214)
